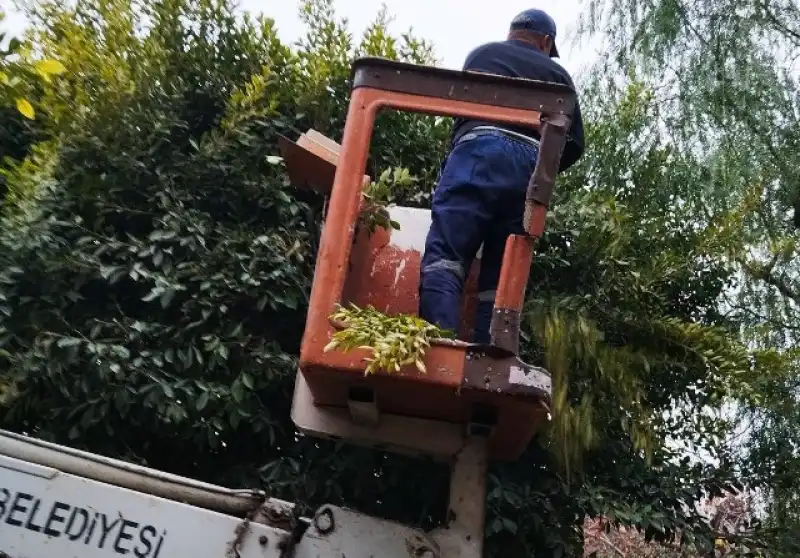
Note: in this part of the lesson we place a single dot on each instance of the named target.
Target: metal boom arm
(56, 502)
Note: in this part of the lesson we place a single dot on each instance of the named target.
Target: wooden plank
(311, 161)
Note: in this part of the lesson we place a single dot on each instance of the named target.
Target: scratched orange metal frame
(388, 279)
(325, 372)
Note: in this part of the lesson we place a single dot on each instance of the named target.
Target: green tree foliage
(155, 262)
(155, 267)
(16, 72)
(726, 77)
(22, 79)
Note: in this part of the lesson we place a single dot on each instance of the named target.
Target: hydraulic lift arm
(60, 502)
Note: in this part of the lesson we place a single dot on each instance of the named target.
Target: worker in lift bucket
(480, 198)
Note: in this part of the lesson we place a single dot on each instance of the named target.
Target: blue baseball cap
(539, 22)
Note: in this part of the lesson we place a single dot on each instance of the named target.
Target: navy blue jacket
(519, 59)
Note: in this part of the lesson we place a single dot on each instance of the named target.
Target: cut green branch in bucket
(395, 341)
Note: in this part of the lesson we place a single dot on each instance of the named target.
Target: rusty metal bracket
(504, 328)
(551, 147)
(491, 368)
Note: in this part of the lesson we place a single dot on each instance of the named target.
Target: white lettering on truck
(59, 519)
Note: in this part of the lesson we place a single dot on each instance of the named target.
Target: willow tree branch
(778, 24)
(764, 273)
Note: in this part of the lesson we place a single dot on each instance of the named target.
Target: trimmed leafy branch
(395, 341)
(393, 183)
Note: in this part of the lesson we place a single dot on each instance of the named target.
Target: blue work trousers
(480, 199)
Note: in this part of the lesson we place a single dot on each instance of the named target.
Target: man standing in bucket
(480, 198)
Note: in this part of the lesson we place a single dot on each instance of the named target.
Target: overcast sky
(454, 26)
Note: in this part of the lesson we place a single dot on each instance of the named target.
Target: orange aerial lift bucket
(464, 383)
